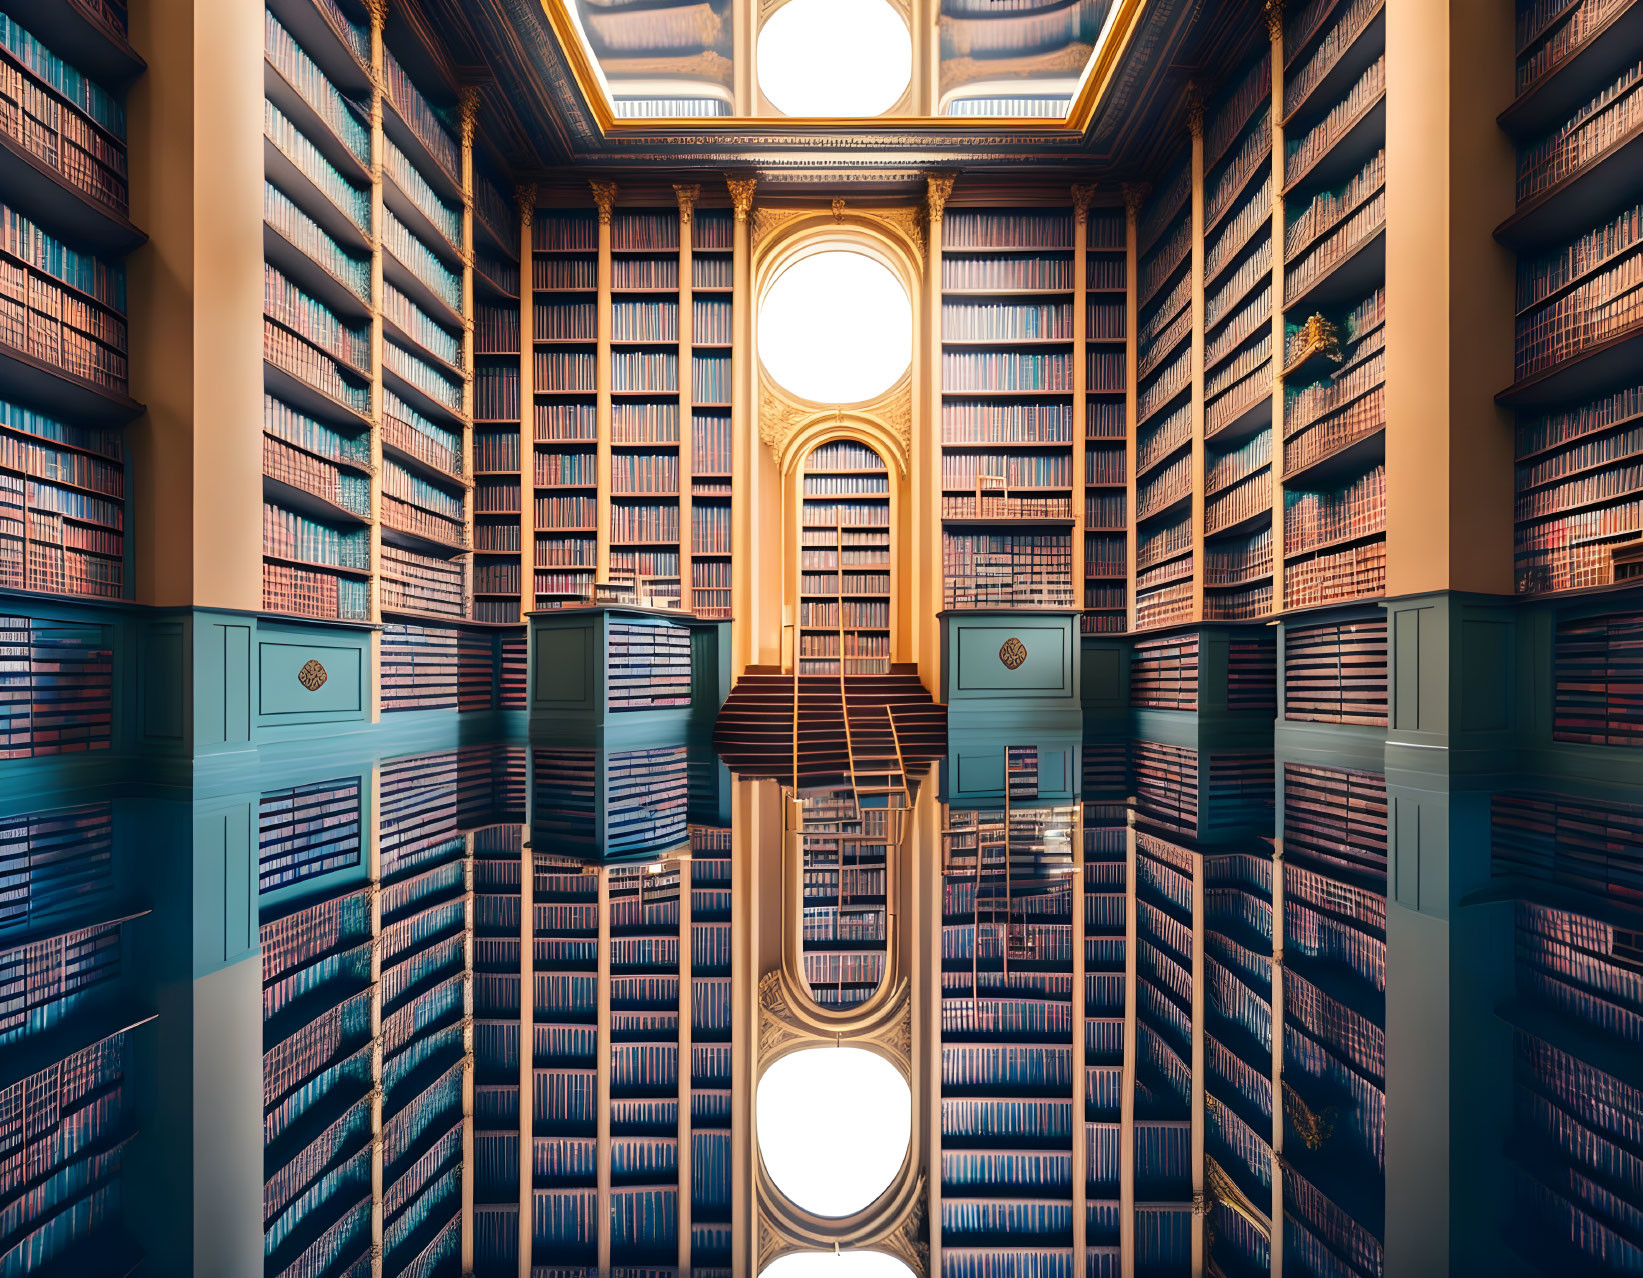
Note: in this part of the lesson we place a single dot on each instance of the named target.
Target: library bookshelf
(1578, 235)
(384, 230)
(64, 195)
(629, 383)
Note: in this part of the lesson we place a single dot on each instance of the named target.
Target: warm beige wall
(1449, 296)
(196, 303)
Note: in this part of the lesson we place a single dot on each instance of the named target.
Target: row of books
(1610, 115)
(565, 274)
(418, 325)
(407, 248)
(285, 350)
(353, 202)
(433, 383)
(1024, 321)
(56, 129)
(446, 217)
(498, 451)
(1234, 175)
(349, 120)
(307, 592)
(289, 535)
(1006, 273)
(293, 224)
(1253, 217)
(302, 470)
(430, 128)
(1316, 519)
(422, 583)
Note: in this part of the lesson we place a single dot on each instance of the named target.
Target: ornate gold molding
(1275, 19)
(838, 208)
(910, 222)
(741, 195)
(1083, 196)
(467, 112)
(604, 195)
(782, 418)
(688, 195)
(938, 187)
(767, 221)
(524, 198)
(1318, 336)
(377, 11)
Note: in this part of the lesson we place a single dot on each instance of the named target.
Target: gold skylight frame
(1092, 87)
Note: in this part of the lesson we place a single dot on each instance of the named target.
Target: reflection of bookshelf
(844, 562)
(1333, 1023)
(709, 1121)
(1007, 1024)
(1334, 112)
(1105, 916)
(564, 382)
(1009, 291)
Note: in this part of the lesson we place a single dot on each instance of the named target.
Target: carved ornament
(1082, 197)
(1274, 19)
(312, 676)
(1135, 195)
(741, 195)
(938, 187)
(688, 196)
(467, 112)
(377, 11)
(838, 209)
(604, 195)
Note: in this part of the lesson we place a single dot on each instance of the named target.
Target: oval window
(836, 328)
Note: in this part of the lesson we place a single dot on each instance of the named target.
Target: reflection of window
(836, 327)
(834, 1127)
(834, 57)
(827, 1264)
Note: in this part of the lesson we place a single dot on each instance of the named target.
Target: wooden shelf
(58, 393)
(1582, 199)
(1565, 87)
(74, 216)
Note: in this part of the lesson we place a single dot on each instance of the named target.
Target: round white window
(827, 1264)
(834, 1126)
(836, 327)
(834, 57)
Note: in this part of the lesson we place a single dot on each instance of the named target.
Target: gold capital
(467, 111)
(377, 10)
(687, 201)
(604, 195)
(525, 198)
(741, 195)
(1082, 196)
(1135, 195)
(938, 187)
(1274, 19)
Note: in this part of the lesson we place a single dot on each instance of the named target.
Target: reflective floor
(512, 1017)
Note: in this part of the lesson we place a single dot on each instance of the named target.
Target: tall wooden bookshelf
(846, 566)
(1011, 285)
(1333, 464)
(712, 290)
(1238, 337)
(1166, 434)
(1578, 234)
(64, 195)
(375, 219)
(1103, 235)
(501, 576)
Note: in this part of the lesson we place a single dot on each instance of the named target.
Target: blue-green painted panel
(563, 662)
(280, 694)
(980, 774)
(993, 657)
(162, 649)
(225, 892)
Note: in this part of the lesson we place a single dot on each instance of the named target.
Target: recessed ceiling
(964, 60)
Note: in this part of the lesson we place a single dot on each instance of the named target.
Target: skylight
(836, 328)
(834, 1126)
(835, 57)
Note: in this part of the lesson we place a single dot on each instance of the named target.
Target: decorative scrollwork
(741, 195)
(604, 196)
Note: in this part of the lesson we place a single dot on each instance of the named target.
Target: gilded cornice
(687, 195)
(938, 187)
(767, 221)
(783, 418)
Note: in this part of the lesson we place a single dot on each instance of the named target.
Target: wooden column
(1195, 126)
(1080, 1010)
(1275, 32)
(378, 10)
(743, 436)
(1132, 915)
(929, 432)
(525, 198)
(1082, 195)
(687, 196)
(686, 1126)
(601, 1115)
(527, 1048)
(1135, 195)
(467, 112)
(604, 196)
(372, 826)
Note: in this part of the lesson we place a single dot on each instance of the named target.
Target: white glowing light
(836, 327)
(834, 1126)
(826, 1264)
(834, 57)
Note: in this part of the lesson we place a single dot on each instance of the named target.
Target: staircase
(821, 730)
